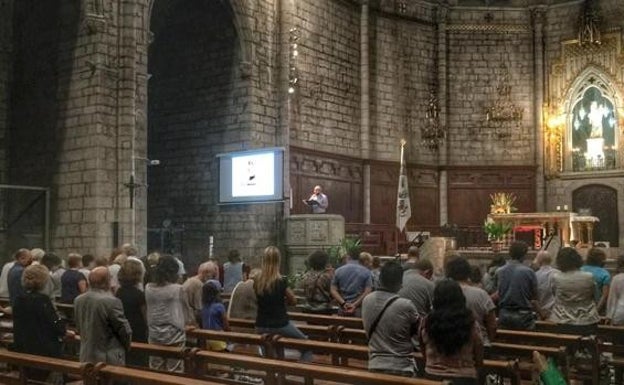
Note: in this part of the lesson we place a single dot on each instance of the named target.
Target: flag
(404, 209)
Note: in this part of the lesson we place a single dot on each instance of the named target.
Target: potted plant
(496, 231)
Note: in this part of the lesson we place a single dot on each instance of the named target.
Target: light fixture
(503, 112)
(589, 34)
(433, 133)
(293, 75)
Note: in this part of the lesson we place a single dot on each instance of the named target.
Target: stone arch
(241, 12)
(592, 77)
(602, 200)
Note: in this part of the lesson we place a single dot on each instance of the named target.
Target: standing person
(134, 306)
(417, 286)
(477, 299)
(4, 279)
(615, 302)
(390, 322)
(596, 258)
(213, 314)
(234, 271)
(22, 258)
(449, 337)
(273, 295)
(574, 309)
(167, 313)
(193, 288)
(105, 333)
(490, 279)
(37, 327)
(316, 284)
(243, 301)
(73, 282)
(318, 201)
(413, 256)
(545, 290)
(351, 283)
(517, 291)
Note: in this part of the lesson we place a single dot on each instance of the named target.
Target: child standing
(213, 314)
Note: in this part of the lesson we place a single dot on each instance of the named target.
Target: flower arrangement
(495, 230)
(502, 203)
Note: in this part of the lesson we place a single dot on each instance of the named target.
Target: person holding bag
(390, 322)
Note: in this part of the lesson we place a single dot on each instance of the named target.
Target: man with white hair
(545, 289)
(193, 286)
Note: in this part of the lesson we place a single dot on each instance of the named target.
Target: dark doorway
(602, 202)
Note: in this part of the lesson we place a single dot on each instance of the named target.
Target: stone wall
(484, 45)
(326, 102)
(202, 102)
(403, 51)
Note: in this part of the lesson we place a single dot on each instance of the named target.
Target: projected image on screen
(253, 175)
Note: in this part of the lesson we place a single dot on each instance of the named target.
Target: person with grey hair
(545, 289)
(105, 333)
(23, 258)
(37, 254)
(193, 287)
(37, 327)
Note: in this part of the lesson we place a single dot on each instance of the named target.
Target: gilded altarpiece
(597, 67)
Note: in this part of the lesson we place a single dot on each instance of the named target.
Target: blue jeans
(290, 331)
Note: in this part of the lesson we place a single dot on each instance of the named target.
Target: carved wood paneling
(602, 201)
(341, 178)
(424, 194)
(469, 191)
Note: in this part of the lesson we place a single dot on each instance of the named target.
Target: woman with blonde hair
(273, 295)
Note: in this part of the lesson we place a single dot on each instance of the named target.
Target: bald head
(543, 258)
(99, 278)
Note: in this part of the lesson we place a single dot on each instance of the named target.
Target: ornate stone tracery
(577, 69)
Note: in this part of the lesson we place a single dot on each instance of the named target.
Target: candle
(558, 208)
(565, 207)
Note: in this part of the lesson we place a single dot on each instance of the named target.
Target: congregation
(404, 307)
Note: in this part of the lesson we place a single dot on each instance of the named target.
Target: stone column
(538, 16)
(444, 153)
(365, 108)
(131, 124)
(6, 68)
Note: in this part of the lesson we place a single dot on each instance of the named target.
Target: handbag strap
(381, 313)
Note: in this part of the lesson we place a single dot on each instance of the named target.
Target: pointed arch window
(592, 129)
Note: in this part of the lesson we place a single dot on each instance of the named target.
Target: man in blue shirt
(351, 283)
(517, 291)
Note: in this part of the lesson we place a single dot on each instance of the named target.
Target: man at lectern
(318, 201)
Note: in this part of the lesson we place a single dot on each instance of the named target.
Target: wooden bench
(276, 370)
(341, 354)
(327, 320)
(23, 361)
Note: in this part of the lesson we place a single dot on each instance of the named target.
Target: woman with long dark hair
(273, 295)
(450, 338)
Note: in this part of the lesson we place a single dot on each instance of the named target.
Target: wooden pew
(327, 320)
(318, 332)
(106, 374)
(341, 353)
(275, 370)
(23, 361)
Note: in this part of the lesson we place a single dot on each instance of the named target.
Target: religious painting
(593, 131)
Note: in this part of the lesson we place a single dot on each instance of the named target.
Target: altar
(569, 226)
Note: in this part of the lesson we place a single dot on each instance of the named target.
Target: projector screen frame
(226, 176)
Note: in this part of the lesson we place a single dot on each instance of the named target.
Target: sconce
(433, 133)
(293, 76)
